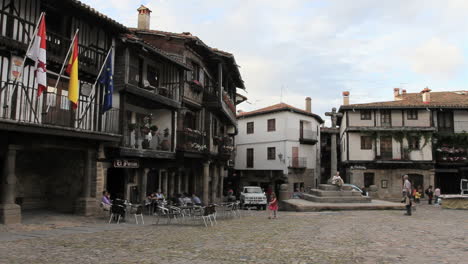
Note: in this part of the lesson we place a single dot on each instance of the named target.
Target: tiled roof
(278, 108)
(135, 39)
(454, 99)
(197, 41)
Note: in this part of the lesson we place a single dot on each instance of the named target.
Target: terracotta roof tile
(277, 108)
(453, 99)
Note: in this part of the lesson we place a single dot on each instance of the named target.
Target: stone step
(336, 199)
(318, 192)
(331, 187)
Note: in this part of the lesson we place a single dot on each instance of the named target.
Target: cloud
(321, 48)
(435, 57)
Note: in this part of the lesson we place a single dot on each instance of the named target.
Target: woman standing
(273, 205)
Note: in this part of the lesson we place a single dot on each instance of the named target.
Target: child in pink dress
(273, 205)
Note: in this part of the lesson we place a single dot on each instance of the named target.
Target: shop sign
(123, 163)
(358, 167)
(16, 70)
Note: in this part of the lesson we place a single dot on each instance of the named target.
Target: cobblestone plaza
(431, 235)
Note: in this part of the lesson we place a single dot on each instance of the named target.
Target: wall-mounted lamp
(280, 156)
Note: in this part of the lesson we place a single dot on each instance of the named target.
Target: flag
(106, 79)
(37, 53)
(72, 71)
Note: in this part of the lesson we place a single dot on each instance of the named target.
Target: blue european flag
(106, 79)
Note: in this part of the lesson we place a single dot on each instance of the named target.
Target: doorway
(152, 184)
(116, 183)
(386, 148)
(417, 181)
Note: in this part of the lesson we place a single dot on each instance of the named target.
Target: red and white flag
(37, 53)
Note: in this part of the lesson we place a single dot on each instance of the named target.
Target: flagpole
(61, 69)
(94, 86)
(22, 66)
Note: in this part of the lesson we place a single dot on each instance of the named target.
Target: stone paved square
(431, 235)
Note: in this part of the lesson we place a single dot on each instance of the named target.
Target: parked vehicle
(253, 196)
(355, 188)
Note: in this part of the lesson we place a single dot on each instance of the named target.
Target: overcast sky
(321, 48)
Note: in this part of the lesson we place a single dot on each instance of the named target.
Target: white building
(278, 144)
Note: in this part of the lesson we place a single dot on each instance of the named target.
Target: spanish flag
(72, 71)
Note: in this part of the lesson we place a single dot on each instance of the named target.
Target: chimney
(396, 94)
(308, 104)
(403, 92)
(144, 17)
(345, 98)
(426, 95)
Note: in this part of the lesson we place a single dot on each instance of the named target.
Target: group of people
(183, 199)
(410, 194)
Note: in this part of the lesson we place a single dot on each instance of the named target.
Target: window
(271, 153)
(250, 127)
(366, 115)
(271, 125)
(412, 115)
(385, 117)
(368, 179)
(195, 72)
(413, 142)
(215, 127)
(250, 158)
(152, 75)
(366, 142)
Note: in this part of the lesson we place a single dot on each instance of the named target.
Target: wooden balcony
(190, 140)
(213, 102)
(22, 110)
(308, 137)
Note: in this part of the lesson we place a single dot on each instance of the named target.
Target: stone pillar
(206, 179)
(172, 183)
(186, 181)
(165, 192)
(179, 181)
(214, 184)
(160, 182)
(10, 213)
(87, 205)
(143, 184)
(221, 181)
(333, 162)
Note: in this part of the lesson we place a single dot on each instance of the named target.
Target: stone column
(165, 191)
(186, 181)
(87, 205)
(333, 156)
(172, 183)
(143, 184)
(221, 181)
(179, 181)
(206, 179)
(214, 184)
(10, 213)
(160, 182)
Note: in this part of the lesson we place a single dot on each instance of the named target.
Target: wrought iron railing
(297, 162)
(19, 103)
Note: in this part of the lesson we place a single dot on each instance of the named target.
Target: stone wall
(393, 178)
(49, 179)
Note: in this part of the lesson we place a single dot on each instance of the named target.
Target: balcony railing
(147, 139)
(21, 104)
(226, 147)
(297, 162)
(191, 140)
(308, 136)
(460, 126)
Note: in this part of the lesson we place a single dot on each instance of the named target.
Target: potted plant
(131, 127)
(196, 86)
(165, 144)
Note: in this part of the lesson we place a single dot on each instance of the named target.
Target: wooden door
(58, 106)
(295, 157)
(386, 147)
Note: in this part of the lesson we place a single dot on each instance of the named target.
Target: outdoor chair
(138, 213)
(117, 211)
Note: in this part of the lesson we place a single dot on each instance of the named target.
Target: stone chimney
(144, 17)
(403, 92)
(426, 95)
(396, 94)
(308, 104)
(345, 98)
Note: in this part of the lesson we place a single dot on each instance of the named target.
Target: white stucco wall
(285, 137)
(460, 121)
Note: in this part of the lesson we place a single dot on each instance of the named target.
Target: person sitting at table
(159, 195)
(187, 200)
(196, 200)
(149, 201)
(105, 201)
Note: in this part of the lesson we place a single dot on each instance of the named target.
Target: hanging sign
(15, 70)
(129, 164)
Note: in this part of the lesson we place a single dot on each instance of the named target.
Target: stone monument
(333, 164)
